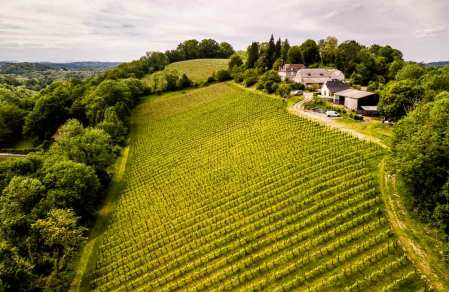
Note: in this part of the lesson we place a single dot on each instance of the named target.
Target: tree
(283, 90)
(277, 54)
(189, 49)
(235, 61)
(434, 81)
(18, 200)
(277, 64)
(222, 75)
(62, 236)
(295, 55)
(366, 69)
(183, 82)
(420, 157)
(208, 48)
(328, 49)
(52, 108)
(252, 55)
(270, 52)
(311, 53)
(250, 77)
(284, 50)
(347, 56)
(72, 185)
(398, 97)
(225, 50)
(91, 146)
(16, 272)
(269, 81)
(389, 53)
(155, 61)
(108, 93)
(411, 71)
(25, 166)
(11, 123)
(393, 68)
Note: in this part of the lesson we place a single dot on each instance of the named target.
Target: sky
(122, 30)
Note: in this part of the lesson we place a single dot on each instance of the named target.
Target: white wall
(351, 103)
(282, 75)
(324, 91)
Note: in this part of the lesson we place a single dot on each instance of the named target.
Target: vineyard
(226, 190)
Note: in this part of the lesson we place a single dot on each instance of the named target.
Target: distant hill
(436, 64)
(27, 67)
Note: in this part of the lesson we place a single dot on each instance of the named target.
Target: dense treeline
(193, 49)
(49, 198)
(15, 103)
(418, 99)
(373, 66)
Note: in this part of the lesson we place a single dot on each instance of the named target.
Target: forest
(78, 126)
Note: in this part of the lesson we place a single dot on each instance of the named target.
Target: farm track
(298, 109)
(428, 264)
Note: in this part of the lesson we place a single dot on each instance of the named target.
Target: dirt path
(86, 262)
(7, 155)
(409, 234)
(299, 110)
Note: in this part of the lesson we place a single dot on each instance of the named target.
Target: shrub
(283, 90)
(250, 77)
(222, 75)
(184, 82)
(235, 61)
(269, 81)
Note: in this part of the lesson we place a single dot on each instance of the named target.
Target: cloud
(67, 30)
(431, 32)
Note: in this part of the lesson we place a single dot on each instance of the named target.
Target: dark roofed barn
(332, 86)
(358, 100)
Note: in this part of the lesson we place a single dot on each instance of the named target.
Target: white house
(330, 87)
(288, 71)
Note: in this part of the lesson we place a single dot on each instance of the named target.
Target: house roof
(320, 73)
(315, 80)
(354, 93)
(291, 67)
(335, 85)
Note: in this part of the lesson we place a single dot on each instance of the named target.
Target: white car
(332, 114)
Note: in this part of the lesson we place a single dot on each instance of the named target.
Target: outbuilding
(355, 99)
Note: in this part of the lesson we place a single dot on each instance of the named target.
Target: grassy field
(223, 189)
(199, 69)
(372, 127)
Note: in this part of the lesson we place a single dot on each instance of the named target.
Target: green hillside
(226, 190)
(199, 69)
